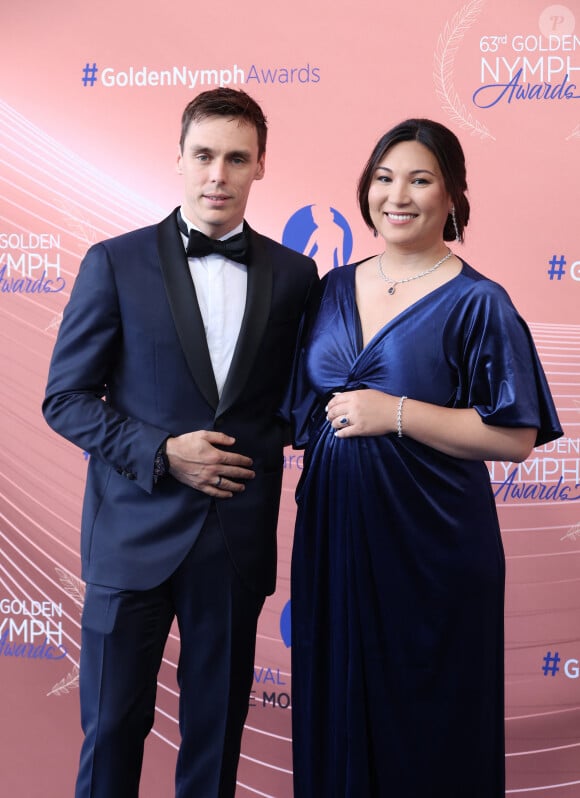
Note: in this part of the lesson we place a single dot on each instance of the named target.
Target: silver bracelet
(400, 417)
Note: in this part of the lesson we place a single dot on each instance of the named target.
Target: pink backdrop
(90, 100)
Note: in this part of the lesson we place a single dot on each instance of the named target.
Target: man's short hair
(226, 102)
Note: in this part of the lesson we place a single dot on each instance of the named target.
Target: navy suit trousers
(123, 638)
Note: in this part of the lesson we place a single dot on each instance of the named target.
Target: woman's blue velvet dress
(398, 566)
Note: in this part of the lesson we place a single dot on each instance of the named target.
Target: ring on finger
(343, 421)
(219, 481)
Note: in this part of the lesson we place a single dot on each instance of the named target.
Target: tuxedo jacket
(131, 367)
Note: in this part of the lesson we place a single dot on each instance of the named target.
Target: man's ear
(261, 167)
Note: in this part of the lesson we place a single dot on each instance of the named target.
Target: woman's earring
(376, 235)
(454, 220)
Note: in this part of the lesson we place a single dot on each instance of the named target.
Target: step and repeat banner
(90, 102)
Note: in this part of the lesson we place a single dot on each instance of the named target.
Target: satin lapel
(185, 308)
(258, 302)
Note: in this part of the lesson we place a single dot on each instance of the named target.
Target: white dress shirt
(221, 286)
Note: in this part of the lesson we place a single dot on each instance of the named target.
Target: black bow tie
(198, 245)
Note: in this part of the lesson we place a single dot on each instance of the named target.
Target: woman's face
(408, 201)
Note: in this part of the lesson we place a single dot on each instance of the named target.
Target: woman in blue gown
(414, 370)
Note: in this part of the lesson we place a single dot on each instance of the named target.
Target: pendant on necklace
(391, 290)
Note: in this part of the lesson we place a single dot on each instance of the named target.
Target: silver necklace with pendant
(394, 283)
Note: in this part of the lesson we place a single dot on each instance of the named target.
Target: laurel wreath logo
(572, 534)
(75, 588)
(444, 64)
(68, 683)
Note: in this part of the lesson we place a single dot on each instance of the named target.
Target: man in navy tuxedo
(171, 361)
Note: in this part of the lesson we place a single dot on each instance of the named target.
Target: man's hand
(195, 460)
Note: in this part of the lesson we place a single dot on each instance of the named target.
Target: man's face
(219, 163)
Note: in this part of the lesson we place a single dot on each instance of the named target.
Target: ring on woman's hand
(219, 482)
(343, 421)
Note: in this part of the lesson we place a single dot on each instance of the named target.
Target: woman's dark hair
(447, 150)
